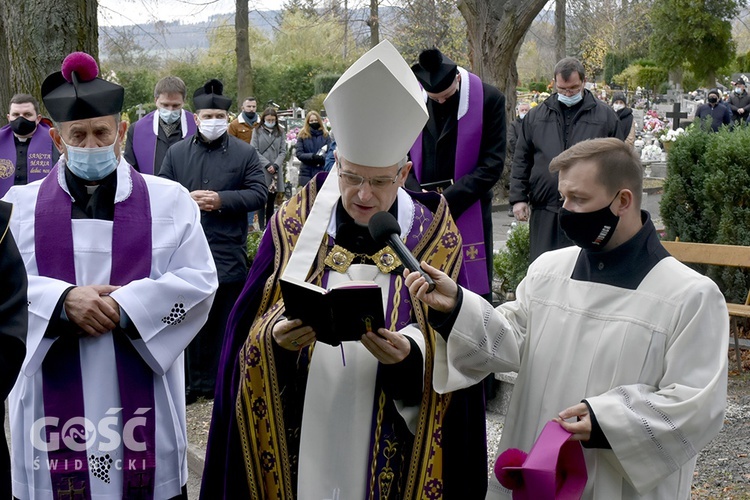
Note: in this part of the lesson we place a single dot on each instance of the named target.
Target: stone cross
(675, 95)
(675, 115)
(139, 111)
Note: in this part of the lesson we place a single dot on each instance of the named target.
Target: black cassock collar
(626, 265)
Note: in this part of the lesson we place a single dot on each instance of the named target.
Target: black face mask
(590, 230)
(22, 126)
(250, 117)
(315, 126)
(713, 100)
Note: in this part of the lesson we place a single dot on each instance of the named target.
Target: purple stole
(473, 274)
(144, 140)
(38, 158)
(61, 369)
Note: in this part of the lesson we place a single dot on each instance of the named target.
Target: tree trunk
(37, 37)
(496, 29)
(5, 89)
(374, 24)
(242, 49)
(560, 51)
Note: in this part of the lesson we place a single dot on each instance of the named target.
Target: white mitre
(377, 111)
(376, 108)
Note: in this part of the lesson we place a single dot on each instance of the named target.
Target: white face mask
(91, 164)
(618, 106)
(169, 115)
(521, 115)
(213, 129)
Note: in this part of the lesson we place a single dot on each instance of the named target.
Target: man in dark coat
(151, 136)
(739, 101)
(514, 130)
(569, 116)
(224, 177)
(460, 153)
(715, 109)
(13, 327)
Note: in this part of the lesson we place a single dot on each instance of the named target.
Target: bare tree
(496, 29)
(242, 49)
(374, 23)
(560, 51)
(37, 36)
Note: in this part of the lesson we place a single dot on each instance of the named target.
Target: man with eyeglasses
(567, 117)
(298, 418)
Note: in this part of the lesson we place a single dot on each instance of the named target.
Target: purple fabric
(39, 156)
(473, 274)
(62, 378)
(144, 140)
(474, 269)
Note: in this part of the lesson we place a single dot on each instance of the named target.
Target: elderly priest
(120, 280)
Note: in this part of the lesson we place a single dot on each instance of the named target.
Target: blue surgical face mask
(571, 100)
(170, 115)
(91, 164)
(269, 124)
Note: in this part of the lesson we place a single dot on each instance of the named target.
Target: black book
(344, 313)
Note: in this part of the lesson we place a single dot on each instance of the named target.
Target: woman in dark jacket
(625, 114)
(312, 143)
(270, 142)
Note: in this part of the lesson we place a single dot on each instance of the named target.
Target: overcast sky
(123, 12)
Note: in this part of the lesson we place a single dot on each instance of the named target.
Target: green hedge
(707, 196)
(323, 83)
(511, 263)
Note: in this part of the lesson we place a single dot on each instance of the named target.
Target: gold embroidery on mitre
(339, 259)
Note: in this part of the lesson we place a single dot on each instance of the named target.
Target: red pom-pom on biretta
(512, 478)
(83, 64)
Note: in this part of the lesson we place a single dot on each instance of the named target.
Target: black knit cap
(210, 96)
(434, 71)
(619, 96)
(76, 93)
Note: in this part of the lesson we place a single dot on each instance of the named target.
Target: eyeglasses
(569, 91)
(355, 180)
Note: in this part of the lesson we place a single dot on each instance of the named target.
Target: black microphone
(385, 230)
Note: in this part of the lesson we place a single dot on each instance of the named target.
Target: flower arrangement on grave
(291, 137)
(652, 152)
(671, 135)
(652, 123)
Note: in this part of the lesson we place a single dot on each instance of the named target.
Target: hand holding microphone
(385, 230)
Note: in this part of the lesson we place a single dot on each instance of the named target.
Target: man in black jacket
(739, 102)
(569, 116)
(224, 177)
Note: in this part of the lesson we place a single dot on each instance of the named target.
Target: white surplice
(182, 272)
(651, 362)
